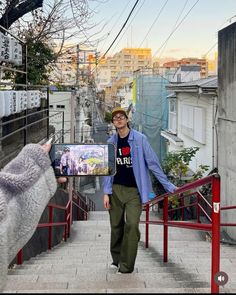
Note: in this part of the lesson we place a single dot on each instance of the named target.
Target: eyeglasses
(117, 117)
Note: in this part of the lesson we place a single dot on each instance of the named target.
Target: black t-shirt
(124, 168)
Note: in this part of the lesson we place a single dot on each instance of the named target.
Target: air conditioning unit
(2, 104)
(8, 103)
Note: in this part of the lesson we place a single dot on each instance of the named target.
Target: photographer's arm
(26, 185)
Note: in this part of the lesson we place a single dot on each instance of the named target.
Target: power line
(163, 44)
(99, 61)
(121, 28)
(130, 23)
(116, 21)
(154, 22)
(175, 25)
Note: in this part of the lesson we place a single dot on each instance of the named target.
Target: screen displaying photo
(83, 159)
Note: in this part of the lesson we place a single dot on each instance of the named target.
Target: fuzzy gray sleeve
(19, 174)
(26, 185)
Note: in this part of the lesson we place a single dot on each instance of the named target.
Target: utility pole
(72, 140)
(77, 66)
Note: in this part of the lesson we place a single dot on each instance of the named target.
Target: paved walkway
(81, 265)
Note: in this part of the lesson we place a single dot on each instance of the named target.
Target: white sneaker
(119, 272)
(113, 266)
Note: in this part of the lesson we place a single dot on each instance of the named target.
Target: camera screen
(83, 159)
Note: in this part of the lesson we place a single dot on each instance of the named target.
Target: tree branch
(15, 12)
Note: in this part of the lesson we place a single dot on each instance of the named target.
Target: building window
(193, 122)
(172, 116)
(60, 106)
(51, 106)
(178, 78)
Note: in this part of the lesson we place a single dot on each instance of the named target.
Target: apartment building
(202, 62)
(128, 60)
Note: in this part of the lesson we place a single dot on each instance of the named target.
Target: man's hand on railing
(176, 188)
(46, 147)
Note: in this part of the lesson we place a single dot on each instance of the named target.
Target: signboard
(87, 57)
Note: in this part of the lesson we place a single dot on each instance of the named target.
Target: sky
(171, 28)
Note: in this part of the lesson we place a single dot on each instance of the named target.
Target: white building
(102, 78)
(192, 119)
(186, 74)
(125, 94)
(60, 113)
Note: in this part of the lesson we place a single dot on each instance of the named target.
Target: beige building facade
(128, 60)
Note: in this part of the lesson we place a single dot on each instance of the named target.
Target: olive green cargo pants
(125, 214)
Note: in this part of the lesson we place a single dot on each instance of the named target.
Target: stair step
(81, 265)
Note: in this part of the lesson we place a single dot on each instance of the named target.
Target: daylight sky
(171, 28)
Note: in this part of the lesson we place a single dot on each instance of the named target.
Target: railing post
(20, 257)
(182, 205)
(50, 229)
(65, 230)
(85, 211)
(198, 208)
(165, 229)
(215, 243)
(147, 226)
(69, 219)
(79, 203)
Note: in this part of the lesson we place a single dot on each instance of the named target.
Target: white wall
(227, 123)
(103, 78)
(185, 76)
(205, 153)
(61, 99)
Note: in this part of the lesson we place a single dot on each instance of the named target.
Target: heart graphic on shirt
(125, 151)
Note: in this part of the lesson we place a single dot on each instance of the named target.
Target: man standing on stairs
(125, 192)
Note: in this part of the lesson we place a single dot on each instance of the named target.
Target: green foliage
(176, 167)
(92, 161)
(39, 57)
(108, 117)
(200, 171)
(176, 163)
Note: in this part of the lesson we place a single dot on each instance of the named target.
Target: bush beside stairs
(81, 265)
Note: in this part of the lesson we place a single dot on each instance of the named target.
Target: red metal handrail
(78, 202)
(213, 226)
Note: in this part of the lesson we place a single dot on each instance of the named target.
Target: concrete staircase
(81, 265)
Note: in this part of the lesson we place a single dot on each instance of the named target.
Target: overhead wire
(167, 39)
(158, 15)
(176, 22)
(129, 24)
(121, 28)
(99, 60)
(215, 44)
(120, 15)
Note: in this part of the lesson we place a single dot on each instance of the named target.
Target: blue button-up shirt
(143, 159)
